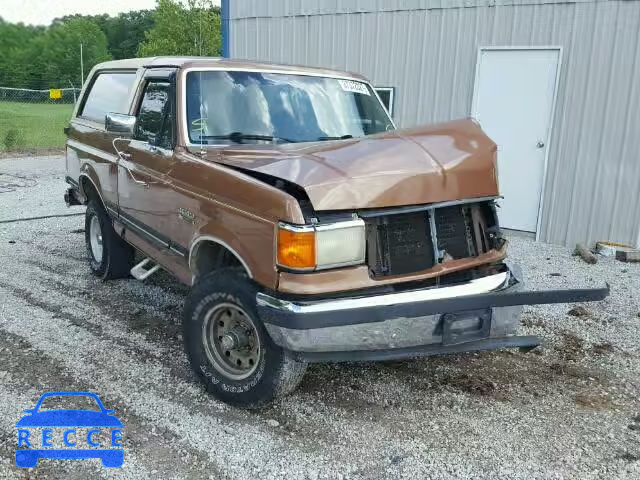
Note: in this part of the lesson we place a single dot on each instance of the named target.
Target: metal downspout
(224, 7)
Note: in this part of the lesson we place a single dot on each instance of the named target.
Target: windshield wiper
(238, 137)
(343, 137)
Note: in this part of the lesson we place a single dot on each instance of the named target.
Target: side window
(387, 95)
(155, 122)
(109, 93)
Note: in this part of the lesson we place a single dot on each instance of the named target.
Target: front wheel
(228, 346)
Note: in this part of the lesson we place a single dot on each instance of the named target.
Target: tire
(226, 299)
(109, 255)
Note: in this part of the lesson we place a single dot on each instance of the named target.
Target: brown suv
(308, 226)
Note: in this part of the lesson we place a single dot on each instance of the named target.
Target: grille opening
(453, 231)
(399, 244)
(403, 243)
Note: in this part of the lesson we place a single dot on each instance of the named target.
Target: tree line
(38, 57)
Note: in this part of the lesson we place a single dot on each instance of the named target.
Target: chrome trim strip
(474, 287)
(176, 251)
(92, 151)
(144, 231)
(296, 228)
(322, 227)
(86, 175)
(431, 213)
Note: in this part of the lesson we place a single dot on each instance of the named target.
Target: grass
(33, 126)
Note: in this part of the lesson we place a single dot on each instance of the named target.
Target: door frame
(547, 140)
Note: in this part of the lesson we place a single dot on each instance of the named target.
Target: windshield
(249, 107)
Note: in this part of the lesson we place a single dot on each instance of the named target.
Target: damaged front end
(413, 239)
(400, 253)
(480, 314)
(432, 292)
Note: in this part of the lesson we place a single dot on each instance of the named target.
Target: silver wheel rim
(231, 341)
(95, 239)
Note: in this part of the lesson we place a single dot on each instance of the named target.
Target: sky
(42, 12)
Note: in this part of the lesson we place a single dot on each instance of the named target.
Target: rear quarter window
(109, 93)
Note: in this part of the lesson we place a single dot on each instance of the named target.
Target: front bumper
(479, 315)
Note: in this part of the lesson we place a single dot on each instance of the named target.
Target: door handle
(540, 144)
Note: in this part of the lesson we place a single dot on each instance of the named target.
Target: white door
(513, 101)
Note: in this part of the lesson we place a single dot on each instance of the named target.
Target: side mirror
(29, 410)
(119, 123)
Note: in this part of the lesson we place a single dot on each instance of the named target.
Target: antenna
(200, 27)
(81, 65)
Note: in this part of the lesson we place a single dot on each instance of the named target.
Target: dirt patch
(604, 348)
(629, 457)
(572, 346)
(579, 311)
(594, 400)
(473, 384)
(532, 321)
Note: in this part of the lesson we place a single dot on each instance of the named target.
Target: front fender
(250, 239)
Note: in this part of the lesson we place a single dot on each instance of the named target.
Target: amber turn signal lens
(296, 249)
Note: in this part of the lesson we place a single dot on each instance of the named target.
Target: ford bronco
(309, 228)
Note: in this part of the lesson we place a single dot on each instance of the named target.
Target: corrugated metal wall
(427, 49)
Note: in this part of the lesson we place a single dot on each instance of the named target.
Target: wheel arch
(86, 184)
(207, 251)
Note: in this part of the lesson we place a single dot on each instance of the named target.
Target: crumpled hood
(443, 162)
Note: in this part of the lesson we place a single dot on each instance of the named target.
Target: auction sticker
(355, 87)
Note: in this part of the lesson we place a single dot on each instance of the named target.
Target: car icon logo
(31, 448)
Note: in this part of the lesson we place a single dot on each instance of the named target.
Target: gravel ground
(567, 410)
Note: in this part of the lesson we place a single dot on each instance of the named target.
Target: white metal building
(556, 83)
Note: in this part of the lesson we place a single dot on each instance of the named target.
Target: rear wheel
(228, 346)
(109, 255)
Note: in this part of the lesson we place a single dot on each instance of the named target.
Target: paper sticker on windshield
(355, 87)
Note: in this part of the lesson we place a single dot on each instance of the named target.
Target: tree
(55, 55)
(13, 39)
(124, 32)
(127, 31)
(193, 29)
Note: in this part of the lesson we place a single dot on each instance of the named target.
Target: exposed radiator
(453, 230)
(401, 243)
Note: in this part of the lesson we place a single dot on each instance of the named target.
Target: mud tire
(277, 372)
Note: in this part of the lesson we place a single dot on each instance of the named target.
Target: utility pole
(81, 65)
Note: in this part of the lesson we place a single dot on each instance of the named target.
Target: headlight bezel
(323, 253)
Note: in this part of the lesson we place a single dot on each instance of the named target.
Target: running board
(139, 272)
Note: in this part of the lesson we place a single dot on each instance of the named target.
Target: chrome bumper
(480, 314)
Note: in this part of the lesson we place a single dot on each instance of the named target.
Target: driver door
(143, 187)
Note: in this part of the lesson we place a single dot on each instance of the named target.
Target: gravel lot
(567, 410)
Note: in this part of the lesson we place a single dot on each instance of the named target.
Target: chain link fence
(33, 120)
